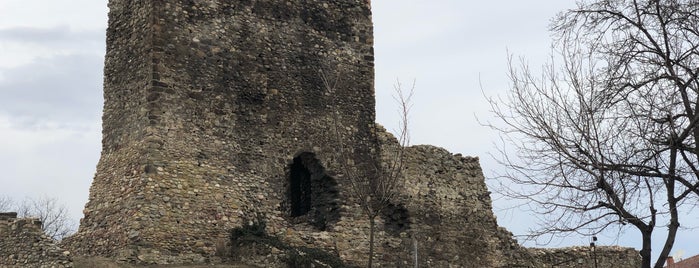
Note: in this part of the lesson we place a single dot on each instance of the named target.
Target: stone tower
(209, 106)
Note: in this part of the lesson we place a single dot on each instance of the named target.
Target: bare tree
(607, 135)
(56, 222)
(373, 177)
(5, 203)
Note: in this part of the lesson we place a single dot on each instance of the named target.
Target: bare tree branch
(373, 178)
(56, 222)
(6, 203)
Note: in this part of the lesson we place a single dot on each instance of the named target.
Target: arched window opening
(311, 192)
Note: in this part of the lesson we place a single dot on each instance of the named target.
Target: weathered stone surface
(585, 257)
(449, 208)
(207, 103)
(24, 244)
(216, 115)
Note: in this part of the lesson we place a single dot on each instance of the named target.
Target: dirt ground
(107, 263)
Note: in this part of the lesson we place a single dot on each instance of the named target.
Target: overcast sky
(51, 57)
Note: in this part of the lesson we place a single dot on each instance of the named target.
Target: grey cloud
(60, 34)
(64, 89)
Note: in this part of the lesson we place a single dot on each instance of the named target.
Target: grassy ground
(94, 262)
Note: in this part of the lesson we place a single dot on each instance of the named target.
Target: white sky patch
(42, 161)
(420, 27)
(17, 54)
(78, 14)
(48, 157)
(23, 45)
(26, 140)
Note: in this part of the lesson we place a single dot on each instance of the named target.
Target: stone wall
(24, 244)
(573, 257)
(449, 208)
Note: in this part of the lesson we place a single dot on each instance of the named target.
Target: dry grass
(80, 262)
(93, 262)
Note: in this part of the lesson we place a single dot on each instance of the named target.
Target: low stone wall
(24, 244)
(576, 257)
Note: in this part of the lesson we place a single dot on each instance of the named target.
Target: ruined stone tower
(207, 103)
(216, 114)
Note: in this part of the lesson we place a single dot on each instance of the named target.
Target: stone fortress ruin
(215, 114)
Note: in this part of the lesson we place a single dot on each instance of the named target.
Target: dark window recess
(396, 219)
(312, 193)
(300, 188)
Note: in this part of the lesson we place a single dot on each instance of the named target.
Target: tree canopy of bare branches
(5, 203)
(372, 178)
(606, 135)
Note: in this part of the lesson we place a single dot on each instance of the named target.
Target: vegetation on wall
(373, 177)
(254, 234)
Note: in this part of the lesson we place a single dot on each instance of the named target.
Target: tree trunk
(672, 229)
(645, 251)
(415, 250)
(372, 222)
(668, 245)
